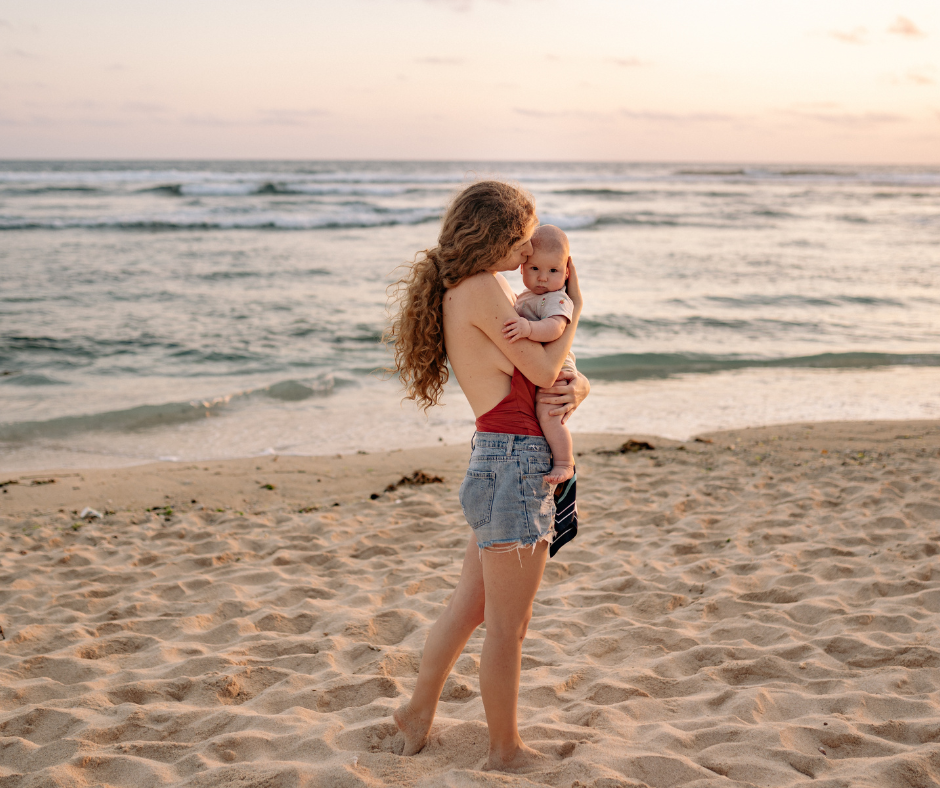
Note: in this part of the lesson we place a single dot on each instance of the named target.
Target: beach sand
(758, 609)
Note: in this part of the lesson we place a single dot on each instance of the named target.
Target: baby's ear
(567, 267)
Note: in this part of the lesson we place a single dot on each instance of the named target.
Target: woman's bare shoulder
(482, 287)
(475, 282)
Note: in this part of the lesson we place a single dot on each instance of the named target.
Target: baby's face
(544, 272)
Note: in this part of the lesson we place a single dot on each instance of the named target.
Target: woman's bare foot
(523, 759)
(413, 728)
(560, 473)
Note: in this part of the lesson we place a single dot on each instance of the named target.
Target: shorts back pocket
(540, 464)
(476, 497)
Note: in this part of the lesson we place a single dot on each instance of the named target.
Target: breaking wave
(145, 417)
(640, 366)
(204, 221)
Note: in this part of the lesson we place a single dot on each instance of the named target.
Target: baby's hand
(517, 328)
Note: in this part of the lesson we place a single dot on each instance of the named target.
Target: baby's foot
(559, 473)
(413, 728)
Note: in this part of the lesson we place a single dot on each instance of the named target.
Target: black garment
(566, 514)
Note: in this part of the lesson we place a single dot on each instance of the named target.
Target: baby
(544, 311)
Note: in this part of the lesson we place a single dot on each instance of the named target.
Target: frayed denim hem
(516, 546)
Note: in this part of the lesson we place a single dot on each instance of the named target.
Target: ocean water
(195, 310)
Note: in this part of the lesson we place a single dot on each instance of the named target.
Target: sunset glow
(472, 79)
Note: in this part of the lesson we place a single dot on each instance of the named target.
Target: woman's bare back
(483, 359)
(483, 371)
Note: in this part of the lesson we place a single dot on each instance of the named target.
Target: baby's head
(546, 270)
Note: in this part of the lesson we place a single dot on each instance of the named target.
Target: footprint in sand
(387, 629)
(41, 726)
(362, 694)
(275, 622)
(117, 646)
(374, 737)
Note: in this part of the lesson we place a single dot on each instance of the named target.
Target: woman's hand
(568, 392)
(573, 288)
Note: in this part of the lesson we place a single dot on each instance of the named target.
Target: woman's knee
(505, 628)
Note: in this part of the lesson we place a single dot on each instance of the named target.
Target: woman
(453, 305)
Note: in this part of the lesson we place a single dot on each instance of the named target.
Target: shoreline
(373, 418)
(756, 607)
(325, 479)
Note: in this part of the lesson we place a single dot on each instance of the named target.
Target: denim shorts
(504, 495)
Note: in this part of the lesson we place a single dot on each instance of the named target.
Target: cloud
(265, 117)
(462, 5)
(6, 24)
(858, 119)
(82, 105)
(456, 5)
(205, 119)
(288, 117)
(678, 117)
(856, 36)
(626, 62)
(539, 113)
(650, 116)
(21, 53)
(816, 104)
(916, 76)
(31, 85)
(34, 119)
(89, 112)
(903, 26)
(143, 107)
(434, 60)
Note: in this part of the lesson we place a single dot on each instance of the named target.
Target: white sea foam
(457, 174)
(569, 222)
(209, 220)
(215, 189)
(169, 283)
(371, 418)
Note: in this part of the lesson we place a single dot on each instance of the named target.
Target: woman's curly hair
(479, 229)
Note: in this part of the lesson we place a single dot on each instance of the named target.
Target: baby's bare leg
(559, 440)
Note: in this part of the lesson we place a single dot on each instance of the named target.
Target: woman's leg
(448, 636)
(510, 592)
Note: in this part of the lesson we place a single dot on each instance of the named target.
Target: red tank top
(515, 414)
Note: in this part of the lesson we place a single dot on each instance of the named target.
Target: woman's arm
(569, 391)
(492, 310)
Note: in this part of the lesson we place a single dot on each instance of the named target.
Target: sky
(842, 81)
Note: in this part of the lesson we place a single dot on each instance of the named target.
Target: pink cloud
(903, 26)
(856, 36)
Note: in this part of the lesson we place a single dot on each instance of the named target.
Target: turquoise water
(191, 309)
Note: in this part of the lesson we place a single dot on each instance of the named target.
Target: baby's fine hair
(551, 239)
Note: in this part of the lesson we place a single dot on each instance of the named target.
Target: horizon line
(689, 162)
